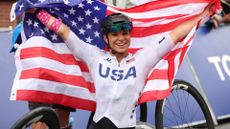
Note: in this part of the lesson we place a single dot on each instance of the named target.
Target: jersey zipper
(113, 95)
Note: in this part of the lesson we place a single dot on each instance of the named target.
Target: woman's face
(119, 41)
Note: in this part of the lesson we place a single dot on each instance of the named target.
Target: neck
(119, 56)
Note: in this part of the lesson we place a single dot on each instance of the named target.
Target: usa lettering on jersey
(116, 74)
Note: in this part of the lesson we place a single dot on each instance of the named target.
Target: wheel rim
(181, 110)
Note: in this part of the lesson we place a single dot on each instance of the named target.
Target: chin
(122, 52)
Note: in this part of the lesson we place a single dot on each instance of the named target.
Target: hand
(217, 20)
(208, 11)
(31, 10)
(226, 18)
(53, 23)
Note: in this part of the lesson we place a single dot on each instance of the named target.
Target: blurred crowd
(126, 3)
(222, 17)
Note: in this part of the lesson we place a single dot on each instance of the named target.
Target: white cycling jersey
(118, 84)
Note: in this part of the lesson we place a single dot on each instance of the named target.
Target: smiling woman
(118, 81)
(116, 30)
(111, 82)
(113, 72)
(118, 42)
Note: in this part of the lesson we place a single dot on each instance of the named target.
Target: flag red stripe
(160, 4)
(143, 28)
(154, 95)
(171, 70)
(29, 95)
(133, 50)
(171, 59)
(67, 59)
(158, 18)
(156, 29)
(46, 74)
(183, 52)
(151, 19)
(159, 74)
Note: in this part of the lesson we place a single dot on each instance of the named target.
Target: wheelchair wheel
(184, 108)
(43, 114)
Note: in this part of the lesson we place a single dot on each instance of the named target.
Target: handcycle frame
(48, 116)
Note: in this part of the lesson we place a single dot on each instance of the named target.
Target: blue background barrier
(10, 111)
(210, 57)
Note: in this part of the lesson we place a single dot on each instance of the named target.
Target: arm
(54, 24)
(183, 29)
(78, 47)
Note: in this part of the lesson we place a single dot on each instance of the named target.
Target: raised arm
(54, 24)
(78, 47)
(183, 29)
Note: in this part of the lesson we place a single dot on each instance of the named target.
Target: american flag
(48, 72)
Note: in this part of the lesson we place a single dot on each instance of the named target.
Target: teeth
(120, 44)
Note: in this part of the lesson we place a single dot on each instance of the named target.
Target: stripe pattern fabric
(48, 72)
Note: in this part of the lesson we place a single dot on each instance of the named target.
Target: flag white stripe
(38, 41)
(184, 9)
(55, 87)
(145, 41)
(61, 48)
(161, 21)
(161, 65)
(42, 62)
(156, 85)
(30, 63)
(137, 42)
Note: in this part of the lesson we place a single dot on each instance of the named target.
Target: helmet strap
(112, 50)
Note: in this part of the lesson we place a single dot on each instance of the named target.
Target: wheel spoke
(183, 109)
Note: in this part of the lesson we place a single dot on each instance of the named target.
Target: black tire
(143, 112)
(43, 114)
(188, 112)
(90, 119)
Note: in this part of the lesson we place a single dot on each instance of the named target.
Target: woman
(118, 75)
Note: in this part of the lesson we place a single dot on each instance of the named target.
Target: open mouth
(121, 44)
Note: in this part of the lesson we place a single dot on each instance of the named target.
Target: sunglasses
(119, 27)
